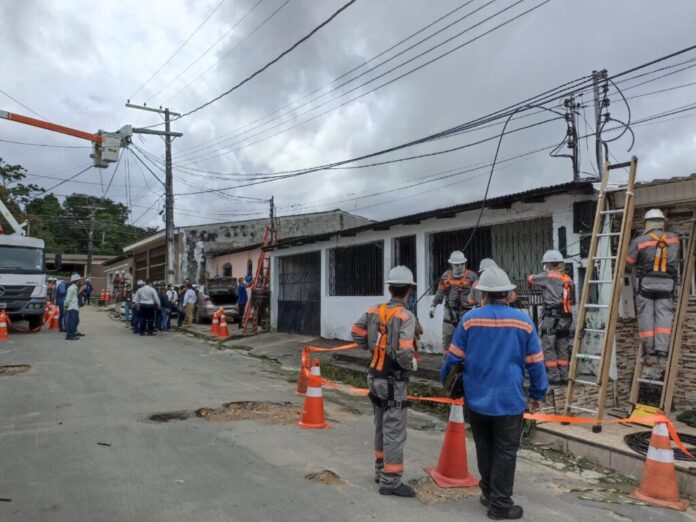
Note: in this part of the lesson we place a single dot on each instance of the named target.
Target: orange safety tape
(19, 328)
(441, 400)
(350, 346)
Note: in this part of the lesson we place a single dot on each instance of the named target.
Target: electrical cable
(45, 145)
(120, 157)
(69, 179)
(22, 105)
(640, 442)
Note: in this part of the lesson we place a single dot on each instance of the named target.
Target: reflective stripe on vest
(380, 350)
(660, 262)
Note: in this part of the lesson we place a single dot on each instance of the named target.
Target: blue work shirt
(61, 292)
(495, 343)
(242, 296)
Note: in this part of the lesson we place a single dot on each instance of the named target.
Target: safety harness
(660, 268)
(379, 356)
(460, 283)
(661, 252)
(560, 311)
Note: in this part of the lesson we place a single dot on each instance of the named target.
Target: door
(299, 294)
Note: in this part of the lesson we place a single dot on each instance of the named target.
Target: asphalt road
(76, 442)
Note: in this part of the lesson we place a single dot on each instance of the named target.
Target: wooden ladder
(616, 246)
(259, 287)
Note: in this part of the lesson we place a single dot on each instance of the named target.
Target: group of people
(148, 310)
(69, 296)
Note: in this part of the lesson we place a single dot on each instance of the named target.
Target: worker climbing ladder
(259, 298)
(668, 375)
(606, 259)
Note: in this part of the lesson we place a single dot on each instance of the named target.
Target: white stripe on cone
(665, 456)
(315, 371)
(661, 429)
(457, 414)
(314, 392)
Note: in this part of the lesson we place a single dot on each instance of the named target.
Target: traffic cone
(48, 312)
(102, 297)
(659, 485)
(108, 297)
(55, 315)
(214, 324)
(303, 378)
(452, 469)
(223, 331)
(313, 410)
(3, 325)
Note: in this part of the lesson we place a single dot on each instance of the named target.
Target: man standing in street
(72, 308)
(148, 302)
(242, 300)
(189, 303)
(88, 292)
(163, 324)
(495, 343)
(61, 291)
(127, 303)
(388, 330)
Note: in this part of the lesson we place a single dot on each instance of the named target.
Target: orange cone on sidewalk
(102, 297)
(215, 323)
(55, 315)
(223, 331)
(452, 469)
(313, 410)
(659, 485)
(108, 297)
(3, 325)
(48, 312)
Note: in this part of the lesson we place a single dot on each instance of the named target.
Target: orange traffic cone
(659, 485)
(48, 312)
(313, 410)
(303, 378)
(215, 323)
(55, 314)
(223, 331)
(102, 297)
(452, 469)
(108, 297)
(3, 325)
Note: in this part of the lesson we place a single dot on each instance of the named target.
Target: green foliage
(64, 227)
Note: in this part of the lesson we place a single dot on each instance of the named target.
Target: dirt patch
(14, 369)
(325, 477)
(169, 416)
(429, 493)
(271, 412)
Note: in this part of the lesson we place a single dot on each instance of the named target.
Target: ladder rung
(589, 356)
(650, 381)
(601, 281)
(594, 330)
(609, 234)
(604, 258)
(619, 165)
(596, 306)
(613, 211)
(586, 410)
(588, 383)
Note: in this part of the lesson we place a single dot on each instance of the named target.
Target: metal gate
(299, 294)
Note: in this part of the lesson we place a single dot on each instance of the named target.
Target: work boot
(484, 501)
(513, 513)
(402, 490)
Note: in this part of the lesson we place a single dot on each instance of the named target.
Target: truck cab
(23, 278)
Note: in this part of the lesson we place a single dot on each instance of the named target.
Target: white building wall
(339, 312)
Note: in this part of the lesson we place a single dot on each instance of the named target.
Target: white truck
(22, 274)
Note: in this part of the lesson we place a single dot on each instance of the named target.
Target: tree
(13, 193)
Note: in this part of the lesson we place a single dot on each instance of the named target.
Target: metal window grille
(357, 270)
(299, 278)
(404, 253)
(443, 243)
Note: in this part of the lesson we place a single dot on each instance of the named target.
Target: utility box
(110, 146)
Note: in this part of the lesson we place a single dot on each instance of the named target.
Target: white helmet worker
(553, 257)
(486, 263)
(400, 276)
(457, 258)
(75, 277)
(494, 279)
(655, 214)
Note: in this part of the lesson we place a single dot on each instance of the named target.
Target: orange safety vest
(453, 281)
(660, 262)
(380, 351)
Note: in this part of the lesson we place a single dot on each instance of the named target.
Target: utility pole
(273, 221)
(168, 180)
(571, 116)
(599, 77)
(90, 242)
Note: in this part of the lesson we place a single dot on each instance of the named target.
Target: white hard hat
(494, 279)
(140, 282)
(401, 276)
(486, 263)
(654, 213)
(75, 277)
(552, 256)
(457, 258)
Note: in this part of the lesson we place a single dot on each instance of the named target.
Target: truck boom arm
(95, 138)
(11, 220)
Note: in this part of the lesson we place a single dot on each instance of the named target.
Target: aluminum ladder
(617, 242)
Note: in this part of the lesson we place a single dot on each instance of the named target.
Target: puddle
(325, 477)
(272, 412)
(14, 369)
(170, 416)
(428, 493)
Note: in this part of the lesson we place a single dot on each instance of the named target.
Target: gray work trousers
(390, 432)
(556, 347)
(655, 323)
(447, 334)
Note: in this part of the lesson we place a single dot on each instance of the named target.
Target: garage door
(299, 294)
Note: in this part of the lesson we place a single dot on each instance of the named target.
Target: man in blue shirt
(61, 291)
(242, 300)
(495, 344)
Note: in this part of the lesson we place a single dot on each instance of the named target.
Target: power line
(22, 105)
(45, 145)
(69, 179)
(178, 49)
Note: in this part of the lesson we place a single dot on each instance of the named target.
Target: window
(357, 270)
(250, 268)
(227, 270)
(583, 221)
(157, 263)
(443, 243)
(404, 253)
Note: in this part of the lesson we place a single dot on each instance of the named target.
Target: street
(77, 443)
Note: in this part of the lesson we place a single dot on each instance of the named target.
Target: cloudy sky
(77, 62)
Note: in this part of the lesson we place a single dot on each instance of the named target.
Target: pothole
(429, 493)
(169, 416)
(325, 476)
(272, 412)
(14, 369)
